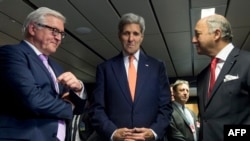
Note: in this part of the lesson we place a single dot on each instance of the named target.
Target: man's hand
(70, 81)
(140, 134)
(65, 97)
(135, 134)
(121, 133)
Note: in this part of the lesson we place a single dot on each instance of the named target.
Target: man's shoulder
(9, 46)
(13, 48)
(110, 60)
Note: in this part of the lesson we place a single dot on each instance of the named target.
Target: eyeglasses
(55, 31)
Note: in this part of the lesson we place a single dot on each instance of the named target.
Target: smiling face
(203, 39)
(43, 38)
(131, 38)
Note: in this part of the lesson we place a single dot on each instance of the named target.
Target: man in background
(183, 126)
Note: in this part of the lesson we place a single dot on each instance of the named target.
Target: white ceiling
(169, 29)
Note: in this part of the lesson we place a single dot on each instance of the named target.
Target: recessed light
(83, 30)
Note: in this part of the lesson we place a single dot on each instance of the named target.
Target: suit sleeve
(163, 117)
(103, 125)
(28, 86)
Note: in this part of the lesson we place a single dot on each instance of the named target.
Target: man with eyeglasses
(38, 99)
(55, 31)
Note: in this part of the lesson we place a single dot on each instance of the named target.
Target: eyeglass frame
(55, 31)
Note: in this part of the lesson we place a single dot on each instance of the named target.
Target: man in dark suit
(228, 101)
(37, 101)
(118, 115)
(184, 123)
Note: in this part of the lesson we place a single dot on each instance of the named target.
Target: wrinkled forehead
(201, 25)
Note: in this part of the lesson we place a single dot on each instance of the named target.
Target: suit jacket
(229, 102)
(113, 107)
(29, 105)
(179, 129)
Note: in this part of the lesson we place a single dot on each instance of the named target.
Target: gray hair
(130, 18)
(179, 82)
(220, 22)
(39, 16)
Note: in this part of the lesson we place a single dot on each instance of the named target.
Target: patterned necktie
(132, 76)
(61, 131)
(212, 75)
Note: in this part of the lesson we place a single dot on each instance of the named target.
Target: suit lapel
(230, 61)
(57, 73)
(121, 76)
(143, 70)
(180, 113)
(32, 55)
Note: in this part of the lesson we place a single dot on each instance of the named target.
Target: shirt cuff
(111, 138)
(156, 137)
(82, 94)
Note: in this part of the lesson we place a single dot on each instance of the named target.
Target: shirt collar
(136, 55)
(33, 47)
(223, 54)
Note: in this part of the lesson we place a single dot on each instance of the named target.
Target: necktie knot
(214, 61)
(131, 58)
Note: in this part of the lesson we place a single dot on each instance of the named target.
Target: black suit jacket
(230, 99)
(179, 129)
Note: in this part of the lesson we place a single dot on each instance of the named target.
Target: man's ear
(31, 28)
(217, 34)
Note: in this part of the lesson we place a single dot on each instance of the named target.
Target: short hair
(130, 18)
(179, 82)
(39, 16)
(220, 22)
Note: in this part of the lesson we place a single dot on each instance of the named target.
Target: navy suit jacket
(29, 105)
(113, 107)
(179, 129)
(229, 102)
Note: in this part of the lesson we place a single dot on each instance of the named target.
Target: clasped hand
(135, 134)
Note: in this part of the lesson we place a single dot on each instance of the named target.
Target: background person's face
(181, 94)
